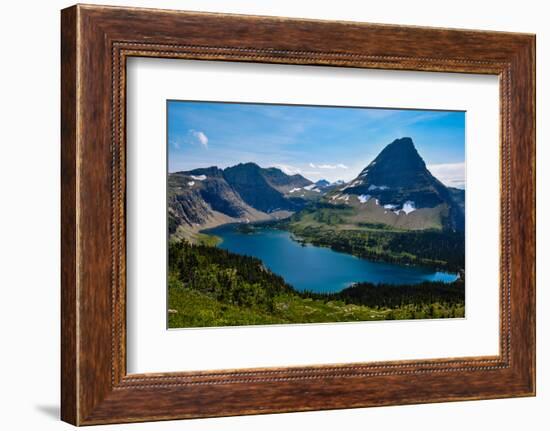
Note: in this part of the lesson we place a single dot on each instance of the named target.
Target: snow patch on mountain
(353, 184)
(408, 207)
(198, 177)
(363, 198)
(375, 187)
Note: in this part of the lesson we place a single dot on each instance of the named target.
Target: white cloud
(326, 166)
(293, 170)
(311, 174)
(450, 174)
(289, 169)
(199, 137)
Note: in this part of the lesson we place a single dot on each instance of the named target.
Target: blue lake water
(318, 269)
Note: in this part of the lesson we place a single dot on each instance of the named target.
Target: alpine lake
(316, 269)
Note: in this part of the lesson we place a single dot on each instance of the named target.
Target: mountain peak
(322, 183)
(402, 151)
(211, 171)
(248, 165)
(403, 142)
(397, 176)
(403, 147)
(400, 156)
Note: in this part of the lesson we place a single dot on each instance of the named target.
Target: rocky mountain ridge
(398, 181)
(396, 189)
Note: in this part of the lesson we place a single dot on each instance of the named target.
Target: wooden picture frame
(95, 43)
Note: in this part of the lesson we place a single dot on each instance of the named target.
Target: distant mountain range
(395, 189)
(208, 197)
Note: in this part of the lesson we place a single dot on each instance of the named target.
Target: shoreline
(302, 242)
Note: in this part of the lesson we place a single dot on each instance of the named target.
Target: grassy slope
(219, 288)
(189, 308)
(193, 237)
(355, 212)
(342, 228)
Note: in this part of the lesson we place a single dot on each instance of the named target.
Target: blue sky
(318, 142)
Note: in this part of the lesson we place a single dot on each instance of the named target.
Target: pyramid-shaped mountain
(399, 180)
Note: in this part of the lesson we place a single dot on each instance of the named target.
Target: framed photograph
(265, 215)
(276, 234)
